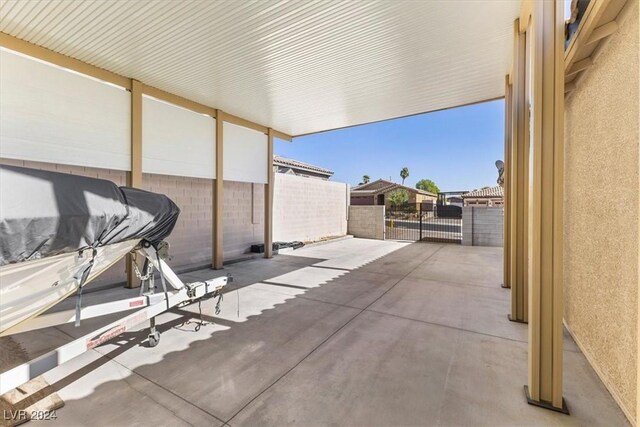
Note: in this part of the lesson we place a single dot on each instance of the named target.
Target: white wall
(245, 154)
(308, 209)
(177, 141)
(50, 114)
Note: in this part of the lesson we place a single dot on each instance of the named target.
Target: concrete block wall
(367, 222)
(191, 239)
(243, 222)
(243, 217)
(308, 209)
(304, 209)
(482, 226)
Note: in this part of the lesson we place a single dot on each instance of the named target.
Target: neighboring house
(451, 197)
(376, 193)
(295, 167)
(489, 196)
(455, 200)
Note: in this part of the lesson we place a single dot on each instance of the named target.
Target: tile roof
(488, 192)
(382, 186)
(283, 161)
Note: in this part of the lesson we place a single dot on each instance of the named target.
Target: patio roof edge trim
(466, 104)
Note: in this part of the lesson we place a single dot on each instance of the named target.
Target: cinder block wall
(367, 222)
(190, 242)
(304, 209)
(482, 226)
(308, 209)
(243, 217)
(191, 239)
(243, 222)
(601, 214)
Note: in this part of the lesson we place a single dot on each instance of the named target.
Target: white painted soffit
(297, 66)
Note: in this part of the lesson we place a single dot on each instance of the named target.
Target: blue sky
(456, 148)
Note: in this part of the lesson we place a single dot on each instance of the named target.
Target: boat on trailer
(58, 232)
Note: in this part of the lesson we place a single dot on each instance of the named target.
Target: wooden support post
(519, 179)
(134, 177)
(218, 196)
(506, 280)
(268, 199)
(546, 222)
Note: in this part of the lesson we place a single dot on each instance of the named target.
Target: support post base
(546, 405)
(516, 320)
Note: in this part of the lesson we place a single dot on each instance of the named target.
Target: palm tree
(366, 179)
(404, 174)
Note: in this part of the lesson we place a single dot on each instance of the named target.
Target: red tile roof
(486, 193)
(283, 161)
(382, 186)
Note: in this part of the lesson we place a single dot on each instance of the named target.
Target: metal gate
(426, 221)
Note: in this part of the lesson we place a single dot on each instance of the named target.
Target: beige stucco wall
(601, 213)
(308, 209)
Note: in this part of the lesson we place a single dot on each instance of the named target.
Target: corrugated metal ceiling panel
(297, 66)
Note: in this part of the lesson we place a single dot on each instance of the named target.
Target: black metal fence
(429, 222)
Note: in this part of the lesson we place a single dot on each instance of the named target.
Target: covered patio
(353, 332)
(186, 100)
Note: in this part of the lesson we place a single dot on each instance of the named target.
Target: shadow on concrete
(281, 313)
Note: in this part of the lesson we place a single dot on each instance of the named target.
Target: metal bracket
(546, 405)
(516, 320)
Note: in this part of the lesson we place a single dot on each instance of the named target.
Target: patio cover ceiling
(299, 67)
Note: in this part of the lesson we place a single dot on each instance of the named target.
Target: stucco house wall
(415, 199)
(601, 213)
(363, 201)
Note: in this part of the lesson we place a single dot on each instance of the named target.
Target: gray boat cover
(45, 213)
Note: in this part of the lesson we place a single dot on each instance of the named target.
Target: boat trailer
(148, 305)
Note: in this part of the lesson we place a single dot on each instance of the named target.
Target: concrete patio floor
(354, 332)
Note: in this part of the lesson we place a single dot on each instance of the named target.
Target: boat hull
(30, 288)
